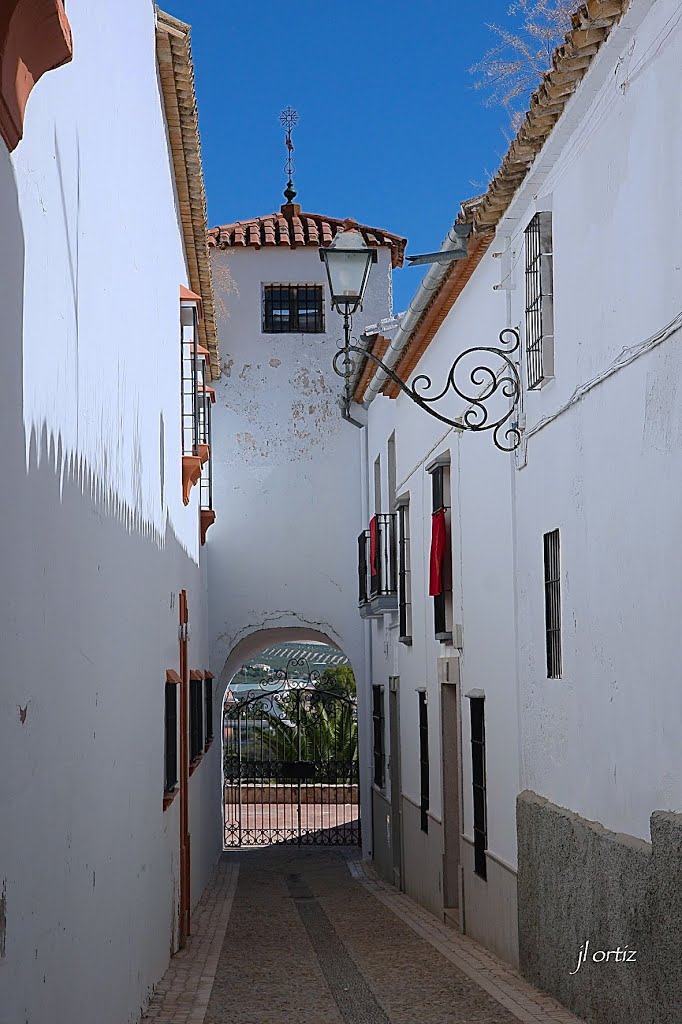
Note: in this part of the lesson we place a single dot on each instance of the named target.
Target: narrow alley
(284, 934)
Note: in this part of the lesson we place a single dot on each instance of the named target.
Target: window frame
(379, 735)
(551, 544)
(443, 612)
(404, 573)
(424, 767)
(170, 749)
(293, 325)
(479, 785)
(539, 300)
(196, 719)
(208, 710)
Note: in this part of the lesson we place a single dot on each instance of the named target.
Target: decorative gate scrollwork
(290, 763)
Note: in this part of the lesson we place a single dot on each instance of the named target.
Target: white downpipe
(425, 293)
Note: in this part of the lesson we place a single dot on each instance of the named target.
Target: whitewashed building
(287, 469)
(106, 842)
(527, 719)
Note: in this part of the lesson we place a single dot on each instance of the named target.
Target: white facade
(96, 542)
(286, 474)
(600, 462)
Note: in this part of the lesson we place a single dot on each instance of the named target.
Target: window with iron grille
(293, 309)
(442, 603)
(205, 437)
(171, 738)
(423, 761)
(196, 719)
(404, 574)
(189, 376)
(552, 604)
(208, 701)
(479, 786)
(539, 300)
(379, 725)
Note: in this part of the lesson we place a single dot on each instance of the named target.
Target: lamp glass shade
(348, 261)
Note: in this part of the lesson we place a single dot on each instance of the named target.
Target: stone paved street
(311, 935)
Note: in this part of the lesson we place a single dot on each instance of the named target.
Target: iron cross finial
(289, 119)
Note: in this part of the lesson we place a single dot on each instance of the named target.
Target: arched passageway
(290, 759)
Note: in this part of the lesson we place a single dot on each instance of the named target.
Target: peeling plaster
(22, 713)
(3, 919)
(275, 362)
(227, 366)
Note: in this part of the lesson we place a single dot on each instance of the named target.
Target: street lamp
(349, 261)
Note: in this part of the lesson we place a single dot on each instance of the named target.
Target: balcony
(378, 583)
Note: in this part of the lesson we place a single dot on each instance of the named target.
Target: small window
(552, 604)
(423, 761)
(479, 785)
(539, 301)
(189, 366)
(404, 574)
(379, 725)
(196, 719)
(171, 738)
(208, 700)
(293, 309)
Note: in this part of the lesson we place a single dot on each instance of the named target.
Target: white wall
(283, 550)
(95, 541)
(603, 740)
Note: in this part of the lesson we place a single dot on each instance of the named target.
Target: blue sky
(391, 131)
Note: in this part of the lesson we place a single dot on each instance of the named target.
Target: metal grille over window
(424, 762)
(440, 573)
(208, 700)
(379, 725)
(404, 574)
(190, 380)
(293, 309)
(196, 719)
(552, 604)
(171, 738)
(479, 785)
(539, 300)
(206, 483)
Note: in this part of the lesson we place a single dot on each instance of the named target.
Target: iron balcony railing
(377, 575)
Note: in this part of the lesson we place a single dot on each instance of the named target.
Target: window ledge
(193, 765)
(444, 638)
(208, 743)
(191, 474)
(169, 796)
(35, 37)
(204, 453)
(407, 640)
(206, 519)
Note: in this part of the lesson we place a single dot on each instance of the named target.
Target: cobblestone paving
(313, 936)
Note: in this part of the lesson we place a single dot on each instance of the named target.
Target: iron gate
(290, 763)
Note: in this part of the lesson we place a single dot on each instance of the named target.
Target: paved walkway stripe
(351, 992)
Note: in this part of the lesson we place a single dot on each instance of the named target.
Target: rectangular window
(404, 574)
(392, 472)
(441, 553)
(478, 781)
(539, 300)
(208, 700)
(423, 761)
(379, 725)
(196, 719)
(171, 738)
(293, 309)
(552, 604)
(377, 485)
(189, 366)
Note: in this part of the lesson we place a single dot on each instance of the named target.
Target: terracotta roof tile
(289, 227)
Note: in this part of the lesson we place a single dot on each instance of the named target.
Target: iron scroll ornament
(506, 381)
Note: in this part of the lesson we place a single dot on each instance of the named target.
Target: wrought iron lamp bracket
(482, 384)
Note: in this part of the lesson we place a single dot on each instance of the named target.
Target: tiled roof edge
(176, 71)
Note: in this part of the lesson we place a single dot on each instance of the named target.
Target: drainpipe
(427, 289)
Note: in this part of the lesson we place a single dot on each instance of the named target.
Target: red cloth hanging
(373, 537)
(438, 537)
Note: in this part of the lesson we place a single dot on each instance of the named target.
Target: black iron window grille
(379, 726)
(171, 738)
(189, 377)
(539, 300)
(208, 701)
(377, 570)
(552, 604)
(293, 309)
(196, 719)
(404, 574)
(442, 603)
(479, 785)
(423, 762)
(206, 482)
